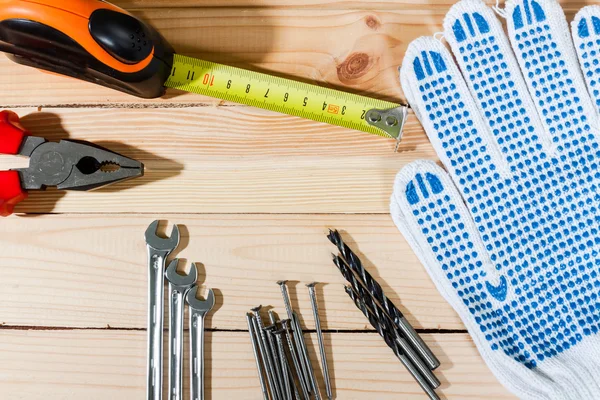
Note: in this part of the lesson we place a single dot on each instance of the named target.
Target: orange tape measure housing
(72, 18)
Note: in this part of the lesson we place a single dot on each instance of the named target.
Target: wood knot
(355, 66)
(372, 22)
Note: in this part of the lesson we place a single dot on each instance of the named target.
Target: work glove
(510, 234)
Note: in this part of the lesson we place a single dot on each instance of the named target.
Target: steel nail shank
(284, 365)
(253, 340)
(299, 338)
(266, 349)
(264, 355)
(303, 384)
(310, 372)
(315, 308)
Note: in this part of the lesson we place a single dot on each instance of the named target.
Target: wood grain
(322, 44)
(50, 365)
(254, 192)
(568, 5)
(296, 4)
(90, 270)
(227, 160)
(315, 45)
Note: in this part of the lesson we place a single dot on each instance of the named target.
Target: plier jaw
(72, 165)
(66, 165)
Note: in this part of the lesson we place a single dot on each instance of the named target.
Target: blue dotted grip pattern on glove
(511, 235)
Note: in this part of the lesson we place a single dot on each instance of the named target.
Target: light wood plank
(568, 5)
(52, 365)
(298, 4)
(90, 270)
(227, 160)
(351, 46)
(357, 50)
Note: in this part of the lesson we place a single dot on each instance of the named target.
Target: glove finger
(439, 97)
(429, 211)
(491, 71)
(443, 220)
(586, 36)
(539, 33)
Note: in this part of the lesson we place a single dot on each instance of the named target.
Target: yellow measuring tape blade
(277, 94)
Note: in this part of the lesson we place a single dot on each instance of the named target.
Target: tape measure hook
(390, 121)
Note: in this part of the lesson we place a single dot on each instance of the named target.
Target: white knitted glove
(511, 236)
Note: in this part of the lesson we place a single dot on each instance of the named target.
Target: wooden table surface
(254, 193)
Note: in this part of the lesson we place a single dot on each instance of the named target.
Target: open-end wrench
(178, 287)
(158, 251)
(198, 310)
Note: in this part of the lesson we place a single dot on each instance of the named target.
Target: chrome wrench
(198, 310)
(178, 287)
(158, 251)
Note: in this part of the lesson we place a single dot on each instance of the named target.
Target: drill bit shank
(401, 337)
(389, 339)
(376, 291)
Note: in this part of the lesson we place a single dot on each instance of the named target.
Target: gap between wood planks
(139, 106)
(110, 328)
(133, 106)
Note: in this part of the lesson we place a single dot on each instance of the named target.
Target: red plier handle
(12, 135)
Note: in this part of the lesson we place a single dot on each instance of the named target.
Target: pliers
(66, 165)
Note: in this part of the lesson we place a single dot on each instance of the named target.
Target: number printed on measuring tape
(273, 93)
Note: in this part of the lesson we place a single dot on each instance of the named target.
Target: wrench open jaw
(162, 244)
(201, 306)
(178, 280)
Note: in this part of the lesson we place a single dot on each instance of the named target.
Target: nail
(265, 351)
(286, 298)
(253, 340)
(275, 352)
(284, 365)
(287, 326)
(310, 372)
(299, 339)
(315, 307)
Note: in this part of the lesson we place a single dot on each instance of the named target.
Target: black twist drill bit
(389, 339)
(375, 289)
(385, 319)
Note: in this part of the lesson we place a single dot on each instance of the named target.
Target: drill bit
(383, 318)
(388, 337)
(374, 288)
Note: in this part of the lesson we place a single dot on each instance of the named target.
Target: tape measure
(111, 47)
(287, 96)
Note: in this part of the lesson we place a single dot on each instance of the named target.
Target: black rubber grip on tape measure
(38, 45)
